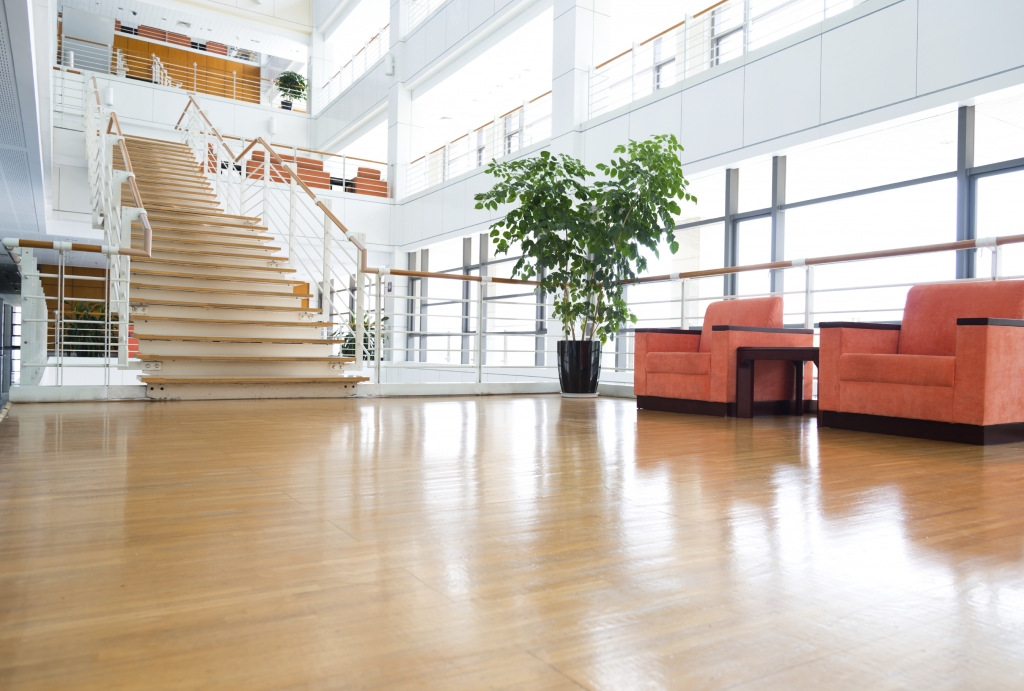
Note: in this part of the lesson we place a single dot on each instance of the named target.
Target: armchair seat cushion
(917, 370)
(679, 363)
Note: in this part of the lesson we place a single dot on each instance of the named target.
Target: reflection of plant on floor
(348, 336)
(83, 329)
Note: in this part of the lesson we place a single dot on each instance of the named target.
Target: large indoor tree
(582, 237)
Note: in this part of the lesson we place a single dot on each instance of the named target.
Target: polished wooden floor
(502, 542)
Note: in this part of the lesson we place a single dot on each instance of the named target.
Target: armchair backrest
(765, 312)
(929, 318)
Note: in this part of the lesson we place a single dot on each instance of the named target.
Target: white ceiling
(221, 28)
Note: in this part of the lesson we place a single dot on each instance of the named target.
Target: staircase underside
(217, 311)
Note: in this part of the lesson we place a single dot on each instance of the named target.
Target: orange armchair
(694, 370)
(953, 370)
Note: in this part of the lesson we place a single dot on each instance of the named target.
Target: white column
(317, 71)
(581, 30)
(400, 127)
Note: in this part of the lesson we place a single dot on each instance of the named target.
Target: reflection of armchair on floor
(954, 369)
(694, 371)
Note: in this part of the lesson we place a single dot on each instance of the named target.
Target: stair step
(145, 357)
(220, 305)
(201, 232)
(215, 253)
(185, 262)
(228, 291)
(196, 238)
(253, 380)
(166, 240)
(232, 322)
(236, 339)
(240, 279)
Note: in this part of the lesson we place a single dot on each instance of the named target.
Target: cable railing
(420, 10)
(90, 323)
(327, 170)
(78, 55)
(504, 135)
(716, 35)
(487, 334)
(371, 52)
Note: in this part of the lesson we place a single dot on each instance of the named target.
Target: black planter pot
(286, 105)
(579, 367)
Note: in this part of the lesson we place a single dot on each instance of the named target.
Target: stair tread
(158, 235)
(234, 322)
(228, 291)
(161, 242)
(186, 262)
(211, 253)
(244, 358)
(241, 279)
(219, 305)
(240, 339)
(254, 380)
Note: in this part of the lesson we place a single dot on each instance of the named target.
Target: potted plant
(582, 240)
(292, 86)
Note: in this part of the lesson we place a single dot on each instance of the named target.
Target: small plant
(83, 330)
(348, 336)
(292, 85)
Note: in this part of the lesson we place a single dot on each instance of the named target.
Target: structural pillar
(965, 227)
(400, 127)
(580, 35)
(778, 222)
(732, 207)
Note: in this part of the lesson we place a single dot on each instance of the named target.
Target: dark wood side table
(745, 359)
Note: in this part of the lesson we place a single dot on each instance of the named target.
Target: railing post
(378, 340)
(808, 296)
(291, 218)
(266, 188)
(997, 262)
(687, 23)
(241, 178)
(684, 302)
(484, 280)
(359, 316)
(325, 283)
(632, 71)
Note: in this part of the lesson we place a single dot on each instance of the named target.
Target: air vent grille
(11, 133)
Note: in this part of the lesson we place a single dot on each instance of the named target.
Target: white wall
(142, 106)
(882, 60)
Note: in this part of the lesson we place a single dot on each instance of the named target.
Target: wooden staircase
(216, 310)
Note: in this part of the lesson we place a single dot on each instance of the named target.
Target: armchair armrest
(659, 341)
(726, 339)
(849, 337)
(989, 369)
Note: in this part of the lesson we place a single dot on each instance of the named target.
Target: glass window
(999, 128)
(755, 185)
(998, 213)
(919, 215)
(899, 152)
(754, 238)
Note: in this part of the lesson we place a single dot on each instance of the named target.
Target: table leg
(745, 388)
(799, 366)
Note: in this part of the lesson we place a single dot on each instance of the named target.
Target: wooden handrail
(114, 127)
(835, 259)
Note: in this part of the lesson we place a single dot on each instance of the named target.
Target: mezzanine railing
(506, 134)
(713, 36)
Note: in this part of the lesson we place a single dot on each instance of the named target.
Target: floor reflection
(531, 541)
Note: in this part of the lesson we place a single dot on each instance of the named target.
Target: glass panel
(755, 185)
(892, 154)
(755, 247)
(999, 209)
(919, 215)
(999, 128)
